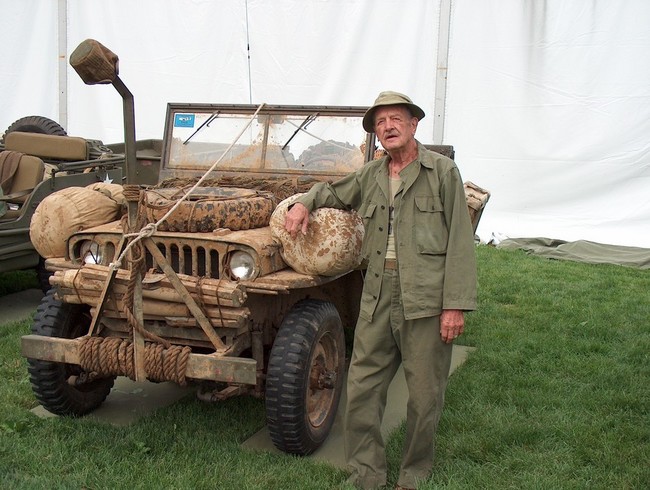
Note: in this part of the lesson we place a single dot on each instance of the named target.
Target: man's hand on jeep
(297, 218)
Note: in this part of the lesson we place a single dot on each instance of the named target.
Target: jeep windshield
(279, 139)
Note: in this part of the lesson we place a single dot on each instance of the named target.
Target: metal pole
(129, 130)
(441, 72)
(248, 53)
(63, 62)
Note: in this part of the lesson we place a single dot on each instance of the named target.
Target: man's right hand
(297, 219)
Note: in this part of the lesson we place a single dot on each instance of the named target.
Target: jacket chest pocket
(430, 230)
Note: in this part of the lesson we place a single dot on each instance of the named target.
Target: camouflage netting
(331, 246)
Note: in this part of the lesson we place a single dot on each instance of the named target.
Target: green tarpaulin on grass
(581, 251)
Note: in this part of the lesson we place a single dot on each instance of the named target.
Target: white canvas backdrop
(301, 52)
(547, 106)
(28, 78)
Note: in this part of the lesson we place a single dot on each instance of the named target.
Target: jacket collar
(408, 174)
(422, 151)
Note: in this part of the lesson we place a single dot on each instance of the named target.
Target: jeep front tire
(305, 377)
(64, 389)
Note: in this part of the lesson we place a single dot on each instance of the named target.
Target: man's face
(394, 126)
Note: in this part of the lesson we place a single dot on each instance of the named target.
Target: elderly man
(420, 278)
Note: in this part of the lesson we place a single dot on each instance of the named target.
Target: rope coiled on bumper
(113, 356)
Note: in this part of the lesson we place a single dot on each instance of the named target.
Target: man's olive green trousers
(379, 347)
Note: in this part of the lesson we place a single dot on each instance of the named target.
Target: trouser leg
(375, 359)
(426, 360)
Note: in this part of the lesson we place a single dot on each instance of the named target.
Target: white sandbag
(331, 246)
(65, 212)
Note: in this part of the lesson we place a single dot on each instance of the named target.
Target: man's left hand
(452, 324)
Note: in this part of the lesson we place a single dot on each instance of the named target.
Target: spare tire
(35, 124)
(209, 208)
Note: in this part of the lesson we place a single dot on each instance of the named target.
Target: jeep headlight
(90, 252)
(242, 266)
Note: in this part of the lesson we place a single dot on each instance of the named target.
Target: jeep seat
(48, 146)
(21, 174)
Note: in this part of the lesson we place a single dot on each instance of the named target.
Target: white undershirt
(393, 186)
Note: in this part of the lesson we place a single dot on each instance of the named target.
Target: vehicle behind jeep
(38, 158)
(191, 285)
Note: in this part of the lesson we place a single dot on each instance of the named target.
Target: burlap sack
(114, 191)
(65, 212)
(331, 246)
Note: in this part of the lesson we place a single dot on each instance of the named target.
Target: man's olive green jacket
(434, 240)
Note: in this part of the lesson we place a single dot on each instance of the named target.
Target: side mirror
(94, 62)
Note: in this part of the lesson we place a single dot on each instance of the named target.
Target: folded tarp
(581, 251)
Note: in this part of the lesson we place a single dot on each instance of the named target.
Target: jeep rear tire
(305, 377)
(35, 124)
(64, 389)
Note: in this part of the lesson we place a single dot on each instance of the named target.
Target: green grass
(556, 396)
(15, 281)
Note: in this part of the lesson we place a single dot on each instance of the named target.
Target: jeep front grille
(190, 259)
(194, 258)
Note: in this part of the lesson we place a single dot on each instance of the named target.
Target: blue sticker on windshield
(183, 120)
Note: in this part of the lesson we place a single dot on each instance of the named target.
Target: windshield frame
(306, 114)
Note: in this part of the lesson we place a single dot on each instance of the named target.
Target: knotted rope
(138, 265)
(113, 356)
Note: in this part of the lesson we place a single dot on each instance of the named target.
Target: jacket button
(378, 252)
(381, 228)
(383, 207)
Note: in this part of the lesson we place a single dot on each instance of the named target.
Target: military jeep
(191, 286)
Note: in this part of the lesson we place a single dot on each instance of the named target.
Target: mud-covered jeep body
(191, 285)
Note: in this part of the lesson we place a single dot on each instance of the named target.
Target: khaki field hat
(389, 98)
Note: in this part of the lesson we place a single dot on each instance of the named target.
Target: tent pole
(63, 65)
(441, 72)
(248, 54)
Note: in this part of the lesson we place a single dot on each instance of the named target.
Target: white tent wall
(547, 106)
(170, 51)
(339, 52)
(28, 79)
(343, 52)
